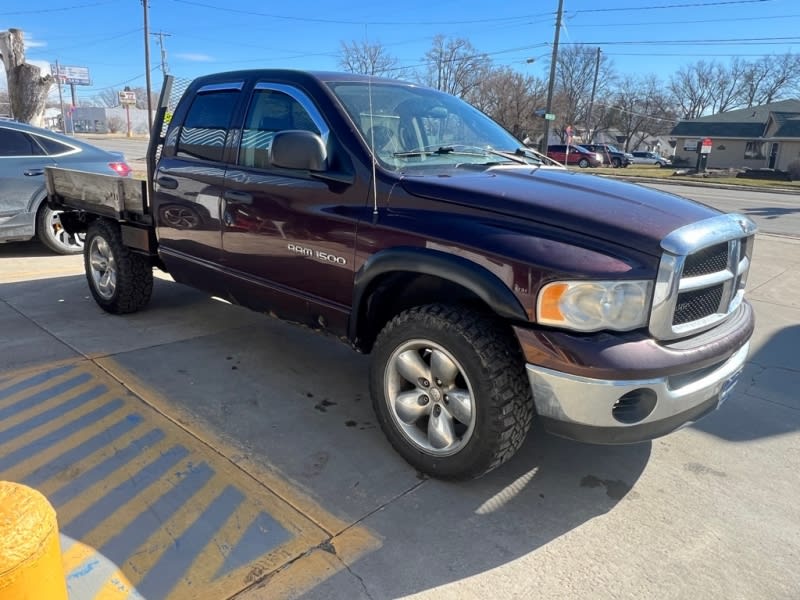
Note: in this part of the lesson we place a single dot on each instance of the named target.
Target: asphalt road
(773, 212)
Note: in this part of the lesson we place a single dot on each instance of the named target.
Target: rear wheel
(449, 389)
(120, 280)
(52, 234)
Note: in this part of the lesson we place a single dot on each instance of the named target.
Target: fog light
(634, 406)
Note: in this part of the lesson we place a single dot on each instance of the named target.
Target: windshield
(407, 126)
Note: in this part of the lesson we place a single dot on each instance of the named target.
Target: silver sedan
(25, 151)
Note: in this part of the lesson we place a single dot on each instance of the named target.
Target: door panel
(283, 231)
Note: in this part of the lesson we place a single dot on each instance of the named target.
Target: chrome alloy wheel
(430, 398)
(103, 267)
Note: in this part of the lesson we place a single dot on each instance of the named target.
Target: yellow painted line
(101, 533)
(305, 574)
(355, 540)
(306, 523)
(34, 389)
(45, 404)
(58, 479)
(268, 477)
(76, 413)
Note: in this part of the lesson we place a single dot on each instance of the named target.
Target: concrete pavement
(710, 511)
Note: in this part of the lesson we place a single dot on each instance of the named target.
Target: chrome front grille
(702, 275)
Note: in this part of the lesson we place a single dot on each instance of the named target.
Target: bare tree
(691, 89)
(141, 97)
(770, 78)
(27, 87)
(368, 59)
(726, 86)
(108, 97)
(642, 110)
(511, 99)
(574, 77)
(454, 66)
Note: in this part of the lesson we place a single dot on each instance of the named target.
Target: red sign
(705, 147)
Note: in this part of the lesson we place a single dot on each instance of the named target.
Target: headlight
(594, 305)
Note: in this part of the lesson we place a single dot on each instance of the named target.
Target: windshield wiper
(424, 152)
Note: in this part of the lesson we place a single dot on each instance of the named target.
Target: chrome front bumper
(584, 409)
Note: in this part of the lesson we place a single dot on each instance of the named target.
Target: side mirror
(297, 149)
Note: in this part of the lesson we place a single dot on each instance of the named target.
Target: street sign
(71, 75)
(127, 98)
(549, 117)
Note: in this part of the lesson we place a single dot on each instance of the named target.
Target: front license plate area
(727, 387)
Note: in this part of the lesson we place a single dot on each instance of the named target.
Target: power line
(688, 22)
(40, 11)
(367, 21)
(699, 42)
(663, 6)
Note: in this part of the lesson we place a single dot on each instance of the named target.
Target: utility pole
(552, 81)
(161, 35)
(147, 68)
(590, 133)
(61, 99)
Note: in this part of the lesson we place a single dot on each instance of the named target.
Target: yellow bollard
(30, 555)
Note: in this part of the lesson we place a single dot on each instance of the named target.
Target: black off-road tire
(133, 281)
(494, 365)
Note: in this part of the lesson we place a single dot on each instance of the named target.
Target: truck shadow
(766, 401)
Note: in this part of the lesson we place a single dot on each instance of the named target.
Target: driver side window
(270, 111)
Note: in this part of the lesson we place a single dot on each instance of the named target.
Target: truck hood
(618, 212)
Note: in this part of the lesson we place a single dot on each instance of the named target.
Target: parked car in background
(25, 151)
(611, 155)
(577, 155)
(650, 158)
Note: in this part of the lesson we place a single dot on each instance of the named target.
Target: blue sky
(640, 37)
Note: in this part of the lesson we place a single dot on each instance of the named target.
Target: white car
(650, 158)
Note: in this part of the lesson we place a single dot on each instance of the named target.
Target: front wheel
(583, 163)
(616, 163)
(120, 280)
(449, 389)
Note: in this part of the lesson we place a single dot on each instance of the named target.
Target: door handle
(236, 197)
(34, 172)
(167, 182)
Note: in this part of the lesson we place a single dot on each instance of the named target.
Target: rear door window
(52, 147)
(205, 128)
(18, 143)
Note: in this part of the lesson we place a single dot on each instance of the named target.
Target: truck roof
(297, 75)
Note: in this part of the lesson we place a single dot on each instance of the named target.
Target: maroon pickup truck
(488, 287)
